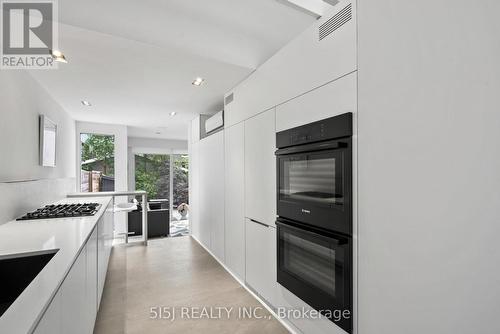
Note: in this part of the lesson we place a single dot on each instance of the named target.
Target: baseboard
(289, 326)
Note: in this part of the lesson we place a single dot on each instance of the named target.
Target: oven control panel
(330, 128)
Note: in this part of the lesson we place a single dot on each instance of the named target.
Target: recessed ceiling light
(86, 103)
(173, 113)
(198, 81)
(58, 56)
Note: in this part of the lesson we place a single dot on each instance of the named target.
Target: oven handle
(287, 224)
(330, 145)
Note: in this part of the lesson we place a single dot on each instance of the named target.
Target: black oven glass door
(317, 267)
(314, 187)
(316, 178)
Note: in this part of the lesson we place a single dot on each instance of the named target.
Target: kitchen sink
(17, 272)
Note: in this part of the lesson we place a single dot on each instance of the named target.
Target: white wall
(22, 99)
(429, 162)
(157, 146)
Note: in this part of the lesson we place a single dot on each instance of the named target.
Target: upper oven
(314, 174)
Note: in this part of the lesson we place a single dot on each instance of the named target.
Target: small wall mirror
(48, 136)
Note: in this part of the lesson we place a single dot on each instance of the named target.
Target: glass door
(165, 178)
(180, 195)
(316, 178)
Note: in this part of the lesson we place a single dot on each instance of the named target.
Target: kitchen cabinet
(51, 319)
(260, 167)
(91, 282)
(335, 98)
(211, 192)
(104, 245)
(261, 259)
(73, 298)
(234, 147)
(74, 306)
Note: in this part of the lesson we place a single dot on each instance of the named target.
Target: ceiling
(134, 61)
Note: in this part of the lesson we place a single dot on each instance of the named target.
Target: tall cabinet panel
(261, 259)
(234, 148)
(260, 168)
(211, 180)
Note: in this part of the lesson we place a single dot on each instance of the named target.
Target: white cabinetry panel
(211, 204)
(104, 244)
(51, 320)
(73, 297)
(260, 168)
(234, 148)
(91, 283)
(74, 307)
(337, 97)
(261, 259)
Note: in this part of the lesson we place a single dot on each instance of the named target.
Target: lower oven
(316, 266)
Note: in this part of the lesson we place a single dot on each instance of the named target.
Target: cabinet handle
(258, 222)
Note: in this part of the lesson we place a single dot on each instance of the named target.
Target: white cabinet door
(260, 168)
(261, 259)
(234, 147)
(51, 319)
(91, 282)
(108, 232)
(211, 196)
(338, 97)
(74, 299)
(101, 259)
(105, 227)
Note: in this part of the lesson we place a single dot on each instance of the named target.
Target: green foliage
(152, 172)
(101, 148)
(181, 179)
(146, 181)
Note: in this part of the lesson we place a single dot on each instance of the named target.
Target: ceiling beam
(313, 7)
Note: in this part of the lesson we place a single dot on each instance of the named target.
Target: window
(97, 163)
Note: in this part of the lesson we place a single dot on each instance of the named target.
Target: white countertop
(69, 235)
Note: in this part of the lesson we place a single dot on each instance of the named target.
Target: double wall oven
(314, 227)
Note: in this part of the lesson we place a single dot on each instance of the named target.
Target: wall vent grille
(335, 22)
(229, 99)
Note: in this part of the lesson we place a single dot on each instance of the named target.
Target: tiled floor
(179, 275)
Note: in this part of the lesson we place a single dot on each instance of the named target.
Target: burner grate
(63, 211)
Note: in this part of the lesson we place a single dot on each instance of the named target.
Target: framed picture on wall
(48, 139)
